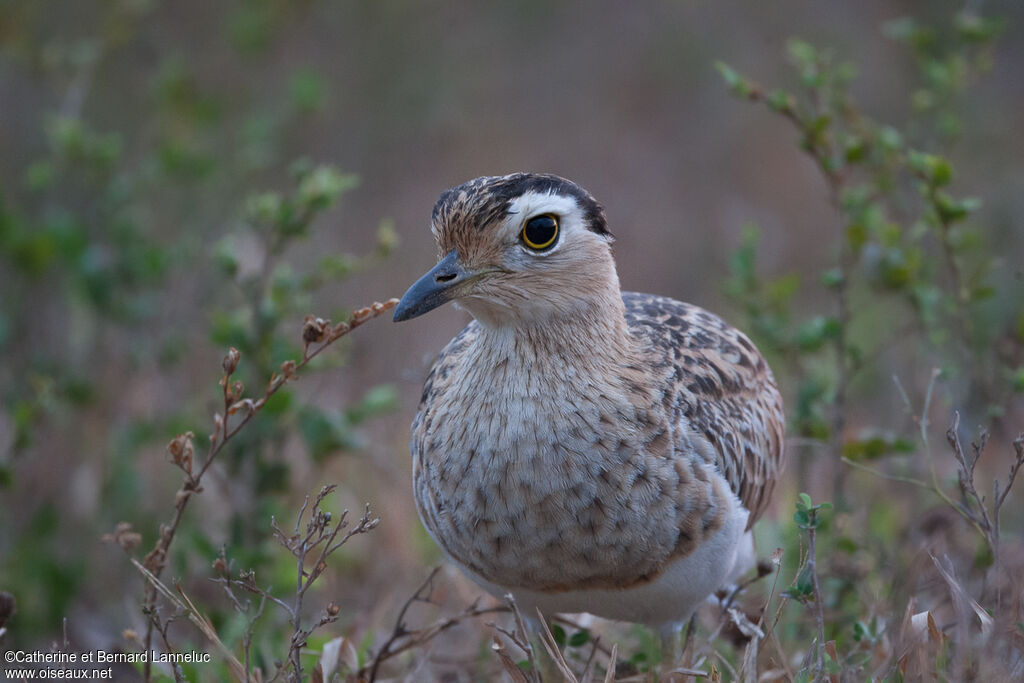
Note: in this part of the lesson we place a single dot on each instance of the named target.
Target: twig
(317, 334)
(182, 601)
(819, 614)
(518, 636)
(415, 638)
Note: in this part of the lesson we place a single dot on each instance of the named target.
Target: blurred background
(180, 177)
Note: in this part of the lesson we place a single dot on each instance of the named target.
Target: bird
(583, 448)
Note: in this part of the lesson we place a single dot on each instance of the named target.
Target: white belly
(670, 598)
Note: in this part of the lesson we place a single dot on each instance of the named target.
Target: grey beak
(435, 288)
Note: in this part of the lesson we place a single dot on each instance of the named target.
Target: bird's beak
(435, 288)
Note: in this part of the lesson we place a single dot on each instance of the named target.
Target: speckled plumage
(586, 449)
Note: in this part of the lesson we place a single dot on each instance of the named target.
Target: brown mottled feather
(720, 388)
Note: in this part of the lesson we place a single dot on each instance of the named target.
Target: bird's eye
(540, 232)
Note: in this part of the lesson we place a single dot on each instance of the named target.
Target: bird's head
(516, 248)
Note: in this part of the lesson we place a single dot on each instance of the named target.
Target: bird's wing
(720, 391)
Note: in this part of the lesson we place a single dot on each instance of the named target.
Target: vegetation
(172, 245)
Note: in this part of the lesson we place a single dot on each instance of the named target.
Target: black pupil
(540, 230)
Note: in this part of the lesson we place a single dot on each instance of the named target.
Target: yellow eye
(540, 232)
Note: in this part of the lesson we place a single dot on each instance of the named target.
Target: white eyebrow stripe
(542, 202)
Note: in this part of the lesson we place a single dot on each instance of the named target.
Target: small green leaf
(953, 210)
(736, 83)
(875, 446)
(559, 634)
(579, 639)
(977, 29)
(854, 149)
(1018, 380)
(307, 89)
(801, 52)
(935, 170)
(890, 138)
(856, 236)
(780, 100)
(901, 29)
(805, 581)
(942, 172)
(39, 175)
(832, 278)
(847, 544)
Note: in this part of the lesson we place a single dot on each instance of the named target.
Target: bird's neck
(591, 337)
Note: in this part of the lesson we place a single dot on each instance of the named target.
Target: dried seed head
(218, 427)
(220, 566)
(182, 451)
(246, 406)
(361, 315)
(314, 329)
(124, 536)
(288, 369)
(230, 362)
(333, 610)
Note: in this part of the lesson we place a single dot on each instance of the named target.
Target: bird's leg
(671, 644)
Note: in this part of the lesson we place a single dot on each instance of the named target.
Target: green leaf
(1018, 379)
(39, 175)
(890, 138)
(264, 207)
(856, 236)
(847, 544)
(307, 88)
(321, 187)
(875, 446)
(379, 400)
(805, 581)
(977, 29)
(781, 289)
(832, 278)
(736, 83)
(324, 433)
(780, 100)
(854, 149)
(952, 210)
(801, 52)
(813, 334)
(935, 170)
(579, 639)
(901, 29)
(559, 634)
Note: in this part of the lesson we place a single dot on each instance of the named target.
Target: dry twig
(317, 335)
